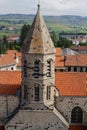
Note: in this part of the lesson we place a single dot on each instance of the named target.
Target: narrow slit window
(48, 92)
(25, 68)
(25, 92)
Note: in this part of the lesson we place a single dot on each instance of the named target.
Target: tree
(54, 38)
(63, 42)
(5, 42)
(24, 31)
(3, 45)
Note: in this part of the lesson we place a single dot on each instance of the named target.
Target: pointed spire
(38, 39)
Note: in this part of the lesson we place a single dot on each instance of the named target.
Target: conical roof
(38, 40)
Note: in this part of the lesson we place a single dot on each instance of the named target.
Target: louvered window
(36, 69)
(48, 68)
(37, 92)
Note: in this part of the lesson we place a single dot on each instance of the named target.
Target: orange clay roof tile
(10, 82)
(76, 60)
(59, 60)
(8, 58)
(71, 84)
(79, 48)
(68, 84)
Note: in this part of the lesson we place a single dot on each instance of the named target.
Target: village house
(10, 61)
(79, 49)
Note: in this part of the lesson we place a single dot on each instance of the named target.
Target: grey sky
(48, 7)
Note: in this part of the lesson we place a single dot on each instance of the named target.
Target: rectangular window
(69, 68)
(81, 69)
(75, 69)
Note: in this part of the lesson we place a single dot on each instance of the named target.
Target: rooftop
(79, 48)
(71, 84)
(76, 60)
(8, 58)
(10, 82)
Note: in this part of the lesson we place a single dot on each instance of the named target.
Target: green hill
(64, 23)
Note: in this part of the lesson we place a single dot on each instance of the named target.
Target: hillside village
(43, 87)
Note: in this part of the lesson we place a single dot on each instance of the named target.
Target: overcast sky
(48, 7)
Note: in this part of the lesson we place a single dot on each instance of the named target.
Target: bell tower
(38, 62)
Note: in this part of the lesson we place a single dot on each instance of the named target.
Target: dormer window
(36, 69)
(49, 68)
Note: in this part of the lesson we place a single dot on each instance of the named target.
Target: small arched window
(36, 69)
(37, 92)
(49, 68)
(77, 115)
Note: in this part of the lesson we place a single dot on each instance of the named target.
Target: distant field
(74, 24)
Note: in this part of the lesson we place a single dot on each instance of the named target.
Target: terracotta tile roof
(71, 84)
(58, 51)
(79, 48)
(10, 82)
(59, 60)
(68, 84)
(76, 60)
(8, 58)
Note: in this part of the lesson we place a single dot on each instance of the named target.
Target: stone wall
(7, 106)
(66, 104)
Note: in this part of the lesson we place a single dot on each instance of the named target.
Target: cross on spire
(38, 4)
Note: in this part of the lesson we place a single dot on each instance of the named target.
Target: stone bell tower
(38, 62)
